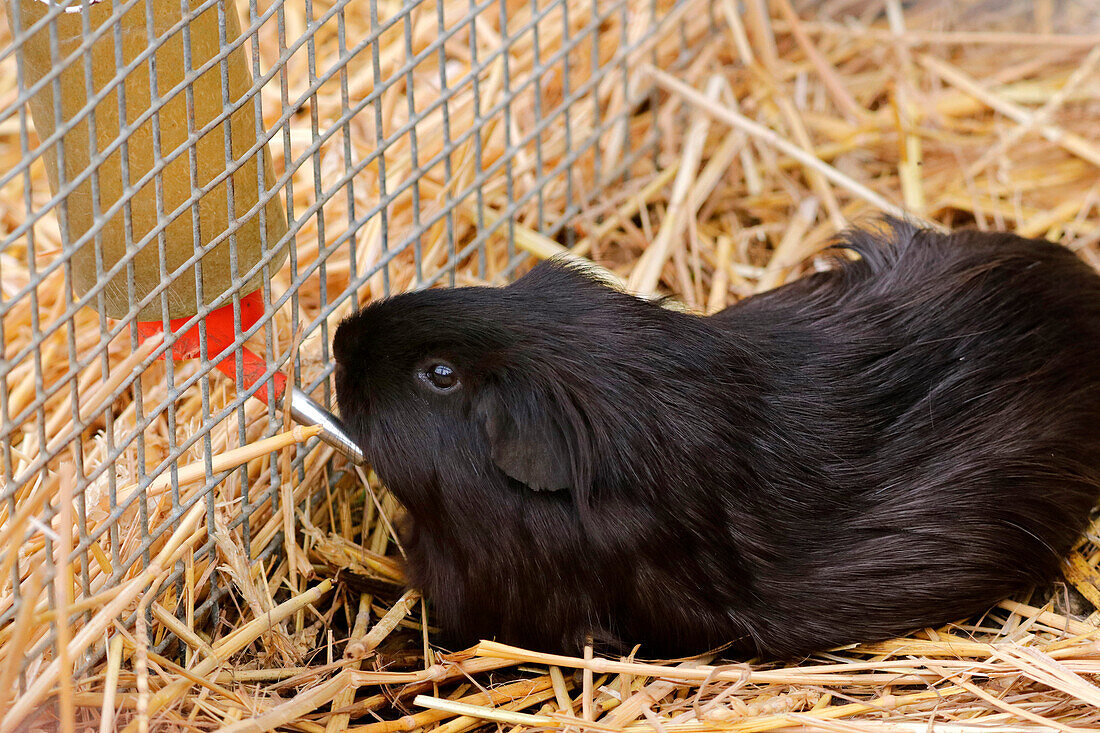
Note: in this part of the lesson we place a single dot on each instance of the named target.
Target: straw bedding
(784, 124)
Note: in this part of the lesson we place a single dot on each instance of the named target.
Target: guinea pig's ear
(526, 441)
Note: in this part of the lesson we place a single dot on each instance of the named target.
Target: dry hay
(779, 129)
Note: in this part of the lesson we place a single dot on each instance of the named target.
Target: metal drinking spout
(304, 411)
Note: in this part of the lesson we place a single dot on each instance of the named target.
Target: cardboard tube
(214, 216)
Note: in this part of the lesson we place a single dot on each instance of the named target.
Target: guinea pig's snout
(346, 391)
(339, 374)
(340, 344)
(340, 369)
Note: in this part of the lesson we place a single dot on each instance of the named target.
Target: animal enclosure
(240, 176)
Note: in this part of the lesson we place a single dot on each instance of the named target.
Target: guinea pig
(898, 442)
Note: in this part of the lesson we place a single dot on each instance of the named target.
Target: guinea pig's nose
(340, 377)
(339, 344)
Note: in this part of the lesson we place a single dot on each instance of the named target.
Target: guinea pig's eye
(440, 376)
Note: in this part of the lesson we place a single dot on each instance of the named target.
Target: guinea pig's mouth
(350, 413)
(340, 379)
(333, 431)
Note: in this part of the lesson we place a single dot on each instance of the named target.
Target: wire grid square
(407, 140)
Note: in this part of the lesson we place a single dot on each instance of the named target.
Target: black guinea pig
(898, 442)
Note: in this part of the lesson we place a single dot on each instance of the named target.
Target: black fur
(895, 443)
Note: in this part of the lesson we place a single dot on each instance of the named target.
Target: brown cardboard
(37, 60)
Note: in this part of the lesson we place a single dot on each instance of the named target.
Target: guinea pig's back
(942, 396)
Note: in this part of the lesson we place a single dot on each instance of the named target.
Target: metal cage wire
(364, 184)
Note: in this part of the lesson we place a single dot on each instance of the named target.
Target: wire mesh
(391, 145)
(387, 146)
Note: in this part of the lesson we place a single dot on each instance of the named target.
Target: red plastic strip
(220, 336)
